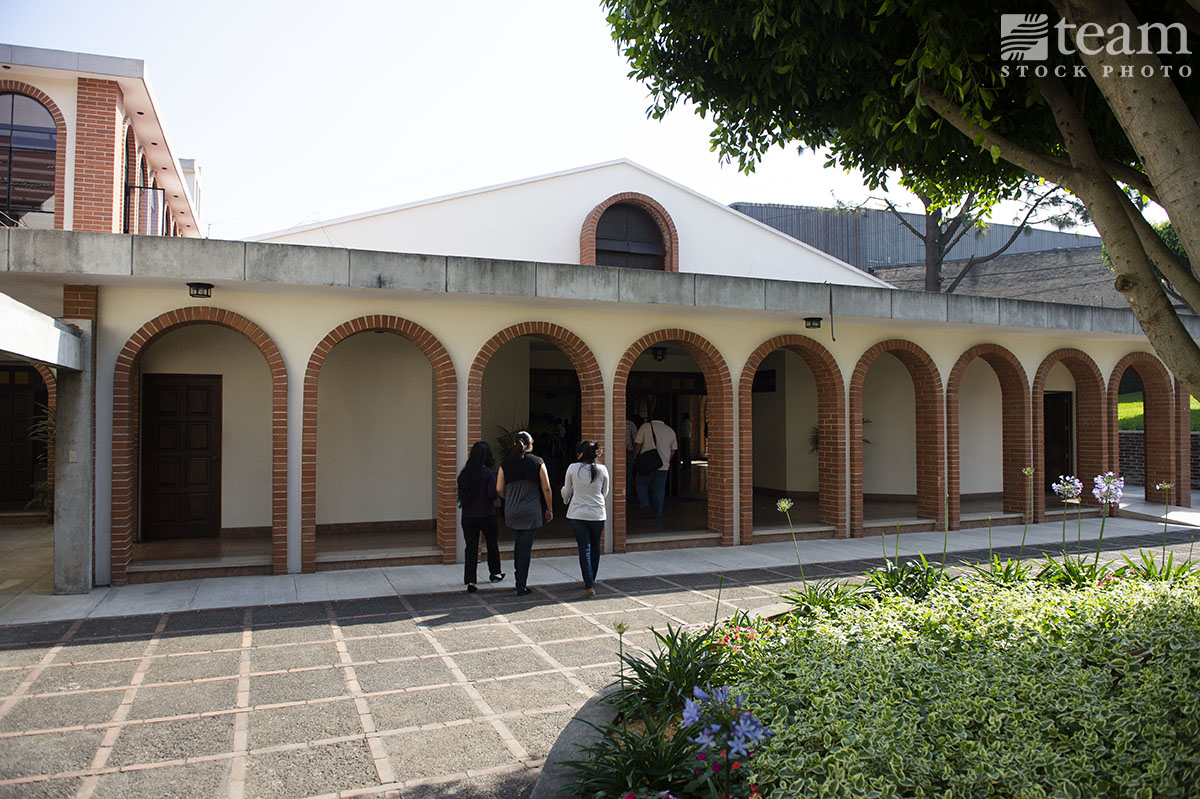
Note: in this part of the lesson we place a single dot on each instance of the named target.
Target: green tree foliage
(919, 87)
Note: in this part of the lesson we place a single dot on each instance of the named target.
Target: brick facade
(929, 423)
(1158, 398)
(587, 235)
(100, 127)
(446, 410)
(1185, 447)
(1091, 425)
(831, 422)
(720, 429)
(127, 421)
(1014, 392)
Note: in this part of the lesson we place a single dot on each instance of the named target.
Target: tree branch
(1131, 178)
(973, 261)
(1181, 278)
(905, 222)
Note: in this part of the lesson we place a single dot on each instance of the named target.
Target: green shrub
(659, 682)
(987, 691)
(915, 579)
(827, 595)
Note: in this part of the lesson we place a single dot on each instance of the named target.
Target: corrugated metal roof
(874, 239)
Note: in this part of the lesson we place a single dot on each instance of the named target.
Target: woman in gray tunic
(525, 487)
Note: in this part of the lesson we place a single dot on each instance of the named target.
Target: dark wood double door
(21, 394)
(181, 456)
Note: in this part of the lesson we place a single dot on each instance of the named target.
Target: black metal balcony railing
(145, 210)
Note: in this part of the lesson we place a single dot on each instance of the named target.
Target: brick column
(99, 150)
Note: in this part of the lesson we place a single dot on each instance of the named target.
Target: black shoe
(524, 591)
(471, 588)
(495, 578)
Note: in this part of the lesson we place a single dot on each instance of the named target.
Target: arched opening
(543, 379)
(630, 230)
(793, 441)
(1142, 420)
(377, 484)
(897, 474)
(987, 417)
(1069, 429)
(28, 163)
(27, 410)
(672, 373)
(202, 418)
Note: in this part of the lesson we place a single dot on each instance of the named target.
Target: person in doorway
(652, 487)
(685, 442)
(525, 487)
(477, 497)
(633, 423)
(584, 490)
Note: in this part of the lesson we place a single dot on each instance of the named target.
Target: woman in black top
(477, 497)
(525, 487)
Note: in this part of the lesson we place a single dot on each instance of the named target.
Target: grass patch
(1131, 416)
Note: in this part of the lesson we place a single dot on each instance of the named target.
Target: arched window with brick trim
(630, 230)
(28, 164)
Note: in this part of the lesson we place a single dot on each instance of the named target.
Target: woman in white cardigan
(586, 487)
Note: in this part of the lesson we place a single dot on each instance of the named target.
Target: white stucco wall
(245, 412)
(505, 391)
(375, 417)
(889, 461)
(979, 404)
(783, 420)
(540, 220)
(298, 319)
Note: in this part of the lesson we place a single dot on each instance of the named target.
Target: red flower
(736, 764)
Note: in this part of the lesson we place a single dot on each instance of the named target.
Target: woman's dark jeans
(522, 554)
(471, 528)
(587, 538)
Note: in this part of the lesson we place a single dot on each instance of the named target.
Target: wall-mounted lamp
(200, 290)
(658, 353)
(812, 322)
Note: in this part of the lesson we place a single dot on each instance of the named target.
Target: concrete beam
(74, 476)
(32, 335)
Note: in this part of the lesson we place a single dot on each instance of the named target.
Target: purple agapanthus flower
(1068, 487)
(1109, 487)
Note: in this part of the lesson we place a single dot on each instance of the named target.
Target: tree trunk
(933, 248)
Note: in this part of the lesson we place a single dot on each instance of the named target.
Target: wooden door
(1057, 415)
(181, 456)
(20, 392)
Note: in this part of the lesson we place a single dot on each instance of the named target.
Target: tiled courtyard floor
(424, 695)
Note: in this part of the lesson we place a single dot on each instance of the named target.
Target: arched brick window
(1014, 423)
(621, 232)
(1091, 438)
(33, 138)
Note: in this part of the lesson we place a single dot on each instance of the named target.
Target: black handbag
(648, 460)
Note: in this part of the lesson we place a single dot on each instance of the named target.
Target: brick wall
(1133, 444)
(99, 152)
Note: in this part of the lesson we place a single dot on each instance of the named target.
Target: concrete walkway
(372, 683)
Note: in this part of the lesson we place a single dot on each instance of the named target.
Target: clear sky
(304, 111)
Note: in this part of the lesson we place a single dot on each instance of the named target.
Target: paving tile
(26, 634)
(635, 620)
(43, 789)
(10, 679)
(616, 604)
(449, 750)
(375, 677)
(598, 677)
(378, 625)
(173, 643)
(18, 655)
(222, 618)
(123, 626)
(440, 603)
(696, 613)
(65, 710)
(515, 784)
(274, 658)
(389, 647)
(643, 585)
(538, 733)
(455, 617)
(384, 605)
(477, 638)
(270, 689)
(584, 653)
(528, 611)
(173, 740)
(56, 679)
(282, 614)
(300, 633)
(557, 629)
(302, 723)
(53, 753)
(526, 693)
(193, 667)
(207, 778)
(417, 708)
(154, 702)
(500, 662)
(310, 771)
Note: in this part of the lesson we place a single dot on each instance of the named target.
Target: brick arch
(51, 384)
(60, 144)
(1014, 421)
(129, 168)
(1158, 398)
(127, 420)
(1091, 436)
(930, 466)
(831, 421)
(720, 428)
(591, 382)
(446, 407)
(666, 226)
(1183, 445)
